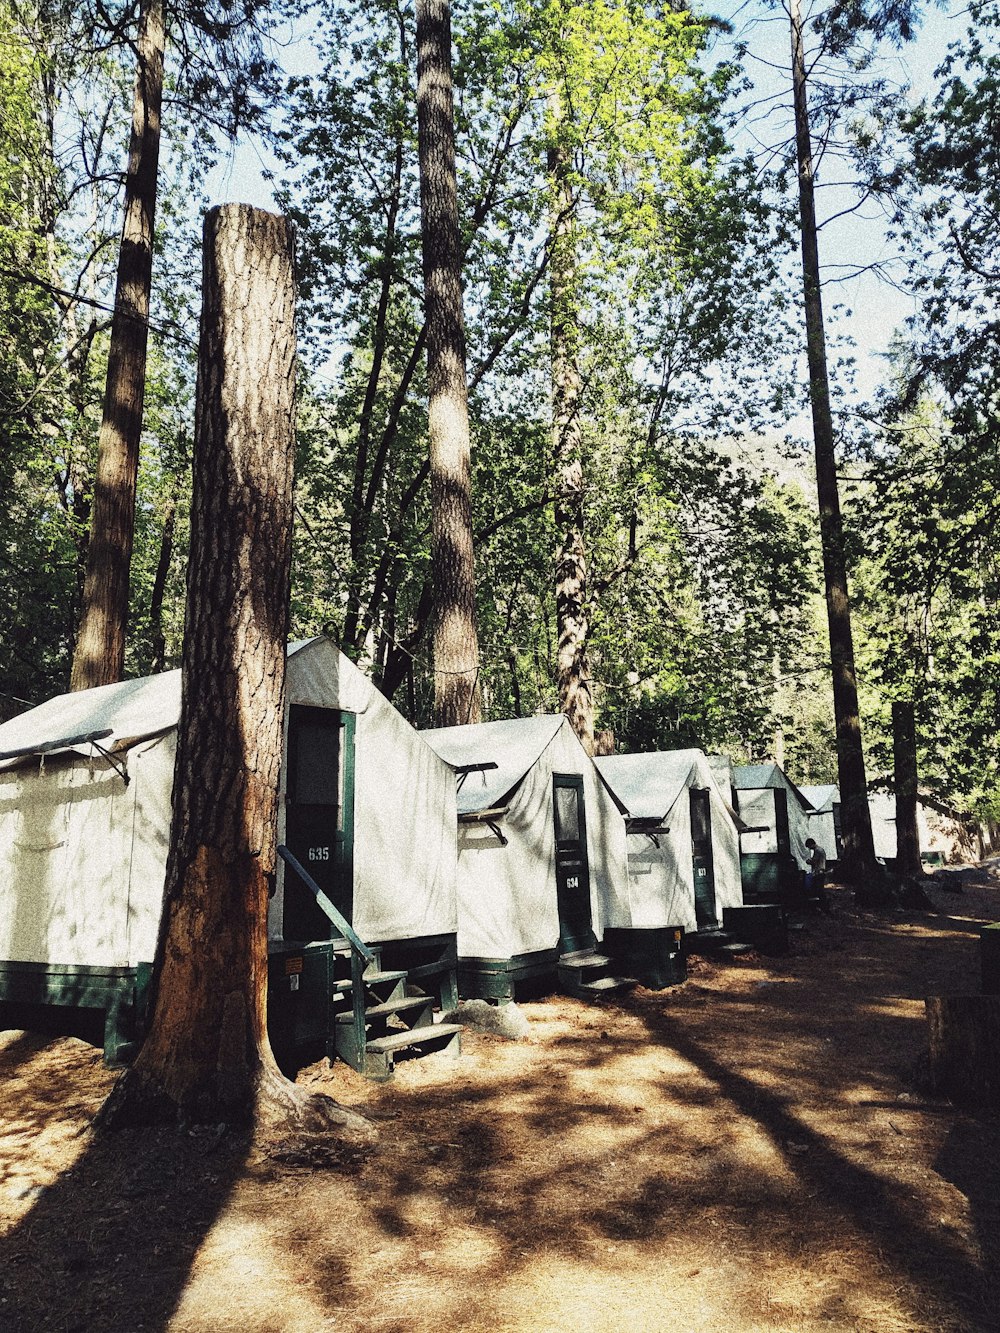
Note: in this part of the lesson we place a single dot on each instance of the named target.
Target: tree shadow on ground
(109, 1244)
(932, 1262)
(970, 1160)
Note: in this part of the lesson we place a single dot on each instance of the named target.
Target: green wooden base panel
(80, 1001)
(654, 956)
(497, 979)
(305, 983)
(769, 877)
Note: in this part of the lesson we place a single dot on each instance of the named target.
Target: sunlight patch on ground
(46, 1114)
(265, 1292)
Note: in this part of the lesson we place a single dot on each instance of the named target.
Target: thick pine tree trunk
(99, 658)
(456, 646)
(858, 858)
(207, 1055)
(904, 757)
(572, 620)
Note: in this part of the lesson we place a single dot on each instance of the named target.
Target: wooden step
(398, 1041)
(608, 985)
(380, 978)
(583, 961)
(389, 1007)
(584, 958)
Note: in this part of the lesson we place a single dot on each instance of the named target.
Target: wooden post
(904, 755)
(964, 1047)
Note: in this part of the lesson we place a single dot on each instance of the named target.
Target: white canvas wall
(823, 831)
(757, 810)
(405, 862)
(661, 878)
(83, 856)
(507, 896)
(757, 807)
(937, 832)
(404, 806)
(82, 859)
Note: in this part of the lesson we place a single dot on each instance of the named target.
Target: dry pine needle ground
(751, 1151)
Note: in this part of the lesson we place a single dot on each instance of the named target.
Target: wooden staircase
(589, 975)
(374, 1020)
(715, 943)
(378, 1022)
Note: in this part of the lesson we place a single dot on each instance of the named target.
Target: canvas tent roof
(648, 784)
(513, 745)
(757, 777)
(822, 798)
(128, 712)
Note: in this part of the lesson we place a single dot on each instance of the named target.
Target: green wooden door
(705, 909)
(319, 817)
(572, 866)
(781, 833)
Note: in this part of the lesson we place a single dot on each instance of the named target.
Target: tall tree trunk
(158, 639)
(572, 621)
(858, 859)
(207, 1056)
(904, 756)
(99, 658)
(456, 646)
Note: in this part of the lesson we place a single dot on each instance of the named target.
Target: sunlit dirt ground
(754, 1150)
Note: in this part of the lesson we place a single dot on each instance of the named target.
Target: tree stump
(964, 1047)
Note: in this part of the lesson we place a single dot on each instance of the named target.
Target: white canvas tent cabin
(85, 806)
(541, 850)
(683, 847)
(946, 835)
(723, 776)
(824, 818)
(772, 851)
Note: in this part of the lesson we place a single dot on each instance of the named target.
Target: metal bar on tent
(46, 747)
(489, 818)
(116, 764)
(327, 907)
(462, 771)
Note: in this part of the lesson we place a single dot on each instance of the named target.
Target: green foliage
(929, 593)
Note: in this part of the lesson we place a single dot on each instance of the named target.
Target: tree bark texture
(858, 858)
(572, 616)
(99, 657)
(456, 647)
(904, 756)
(207, 1055)
(963, 1038)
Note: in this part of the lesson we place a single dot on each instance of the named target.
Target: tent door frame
(782, 832)
(576, 928)
(706, 908)
(320, 834)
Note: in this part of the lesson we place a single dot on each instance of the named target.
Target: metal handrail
(327, 907)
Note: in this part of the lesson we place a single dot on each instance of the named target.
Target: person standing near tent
(816, 874)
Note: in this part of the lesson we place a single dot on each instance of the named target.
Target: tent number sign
(319, 854)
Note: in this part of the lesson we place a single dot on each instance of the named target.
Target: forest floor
(753, 1150)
